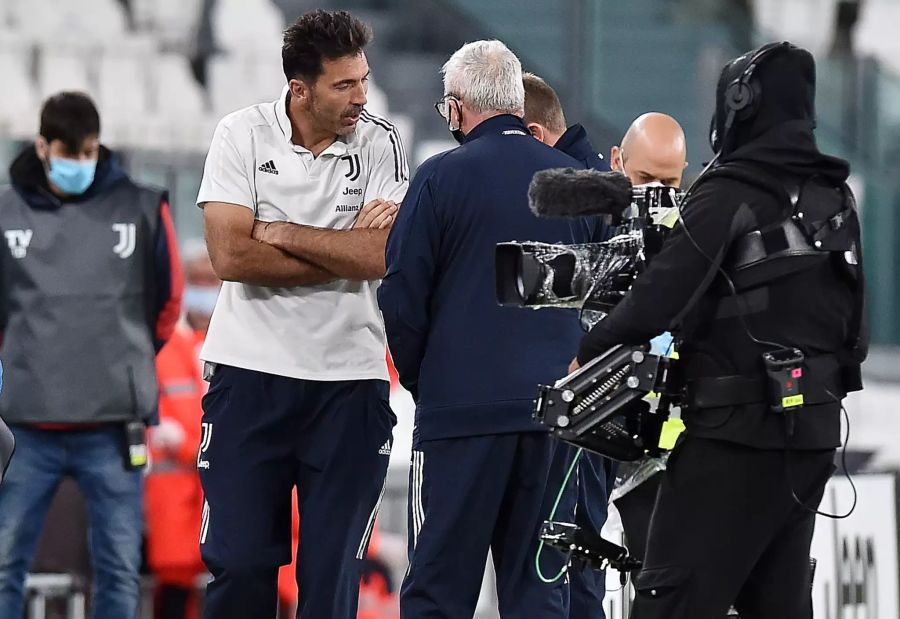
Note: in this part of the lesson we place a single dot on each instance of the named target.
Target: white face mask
(650, 184)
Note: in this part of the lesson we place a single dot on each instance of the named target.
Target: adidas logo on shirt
(269, 167)
(385, 449)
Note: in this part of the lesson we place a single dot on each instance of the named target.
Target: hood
(780, 132)
(30, 181)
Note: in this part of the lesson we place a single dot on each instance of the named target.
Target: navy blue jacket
(575, 143)
(473, 367)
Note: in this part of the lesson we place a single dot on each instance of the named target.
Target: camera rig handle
(599, 407)
(588, 547)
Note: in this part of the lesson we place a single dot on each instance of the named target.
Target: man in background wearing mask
(174, 498)
(653, 151)
(91, 289)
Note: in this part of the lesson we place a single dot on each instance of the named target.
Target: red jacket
(174, 498)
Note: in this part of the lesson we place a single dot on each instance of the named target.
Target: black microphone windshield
(566, 192)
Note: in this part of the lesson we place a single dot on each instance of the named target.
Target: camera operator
(735, 513)
(481, 470)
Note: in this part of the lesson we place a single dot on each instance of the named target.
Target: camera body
(590, 276)
(601, 406)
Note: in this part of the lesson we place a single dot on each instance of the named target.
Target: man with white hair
(484, 475)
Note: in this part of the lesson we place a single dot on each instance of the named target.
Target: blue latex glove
(662, 344)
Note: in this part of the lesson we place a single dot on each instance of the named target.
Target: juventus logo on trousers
(125, 247)
(207, 429)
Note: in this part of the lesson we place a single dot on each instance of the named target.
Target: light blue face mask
(72, 176)
(200, 299)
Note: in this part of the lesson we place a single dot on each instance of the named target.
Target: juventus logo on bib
(127, 232)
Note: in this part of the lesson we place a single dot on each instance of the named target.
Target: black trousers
(726, 530)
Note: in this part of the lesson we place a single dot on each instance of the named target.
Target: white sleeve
(389, 176)
(226, 175)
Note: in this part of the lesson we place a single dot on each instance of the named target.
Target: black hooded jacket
(683, 289)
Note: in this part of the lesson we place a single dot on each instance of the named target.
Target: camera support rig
(599, 407)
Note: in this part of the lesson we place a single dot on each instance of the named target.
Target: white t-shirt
(328, 332)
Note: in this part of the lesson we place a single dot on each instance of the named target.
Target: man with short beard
(298, 195)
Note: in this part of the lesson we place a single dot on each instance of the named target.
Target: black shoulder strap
(788, 193)
(756, 176)
(858, 336)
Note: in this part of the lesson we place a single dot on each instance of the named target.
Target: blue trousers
(469, 495)
(262, 436)
(94, 458)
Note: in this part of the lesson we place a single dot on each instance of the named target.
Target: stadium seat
(247, 25)
(224, 72)
(235, 82)
(62, 69)
(122, 85)
(44, 20)
(174, 22)
(7, 17)
(178, 95)
(809, 23)
(19, 103)
(876, 31)
(43, 587)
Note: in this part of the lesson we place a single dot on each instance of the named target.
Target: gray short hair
(487, 76)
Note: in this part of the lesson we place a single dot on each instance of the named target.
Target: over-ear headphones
(742, 96)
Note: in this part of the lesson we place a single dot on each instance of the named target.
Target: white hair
(487, 76)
